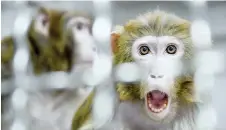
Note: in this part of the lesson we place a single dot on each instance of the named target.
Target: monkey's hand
(206, 118)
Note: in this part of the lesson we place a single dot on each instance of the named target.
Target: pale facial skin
(85, 45)
(161, 60)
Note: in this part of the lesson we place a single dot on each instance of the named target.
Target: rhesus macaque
(160, 43)
(58, 41)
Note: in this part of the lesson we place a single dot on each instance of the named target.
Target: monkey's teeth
(164, 106)
(149, 102)
(150, 105)
(156, 110)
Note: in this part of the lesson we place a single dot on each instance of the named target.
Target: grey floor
(122, 11)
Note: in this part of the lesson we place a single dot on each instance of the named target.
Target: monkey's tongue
(157, 99)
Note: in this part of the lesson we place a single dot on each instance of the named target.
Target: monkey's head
(79, 27)
(161, 45)
(61, 38)
(47, 30)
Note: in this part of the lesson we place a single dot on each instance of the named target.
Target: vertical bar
(200, 30)
(198, 9)
(102, 67)
(20, 65)
(102, 25)
(201, 37)
(204, 70)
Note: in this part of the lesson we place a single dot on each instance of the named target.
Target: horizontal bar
(126, 72)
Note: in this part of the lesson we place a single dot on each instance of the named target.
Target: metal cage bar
(22, 80)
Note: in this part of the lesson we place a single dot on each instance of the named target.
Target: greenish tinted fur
(55, 54)
(7, 49)
(84, 112)
(133, 30)
(7, 53)
(51, 54)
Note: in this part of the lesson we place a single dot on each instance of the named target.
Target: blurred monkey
(58, 41)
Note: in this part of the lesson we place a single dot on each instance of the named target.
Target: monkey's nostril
(156, 76)
(153, 76)
(160, 76)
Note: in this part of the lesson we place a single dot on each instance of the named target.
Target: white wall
(122, 11)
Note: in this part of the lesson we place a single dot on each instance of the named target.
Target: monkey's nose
(156, 76)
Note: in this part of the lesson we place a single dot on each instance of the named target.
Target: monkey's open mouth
(157, 101)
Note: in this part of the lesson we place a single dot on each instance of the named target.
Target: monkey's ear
(41, 22)
(114, 38)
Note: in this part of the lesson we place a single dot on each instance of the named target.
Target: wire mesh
(205, 72)
(102, 68)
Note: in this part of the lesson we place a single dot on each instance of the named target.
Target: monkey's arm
(99, 108)
(7, 54)
(83, 113)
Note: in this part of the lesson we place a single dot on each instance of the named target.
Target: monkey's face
(160, 44)
(84, 46)
(65, 32)
(161, 61)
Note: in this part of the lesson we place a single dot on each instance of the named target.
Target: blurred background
(123, 11)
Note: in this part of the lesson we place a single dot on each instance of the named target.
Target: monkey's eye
(144, 50)
(171, 49)
(79, 25)
(45, 20)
